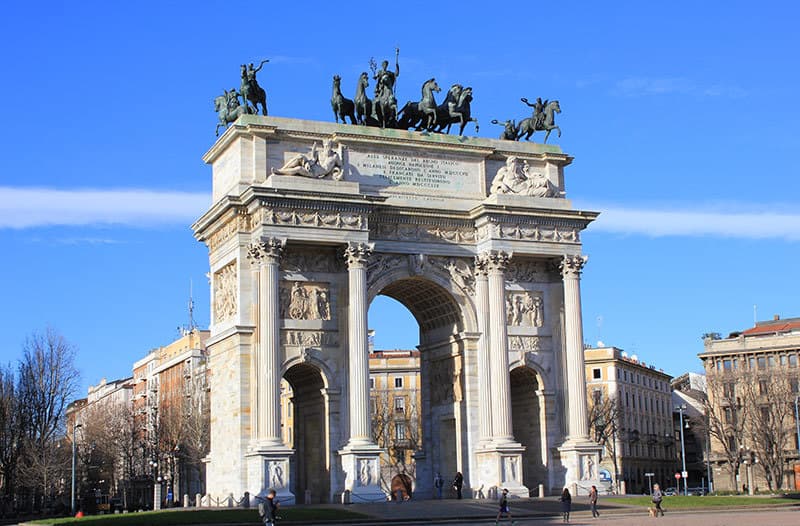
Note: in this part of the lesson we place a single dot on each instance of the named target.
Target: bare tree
(396, 428)
(10, 434)
(605, 414)
(770, 428)
(47, 382)
(727, 416)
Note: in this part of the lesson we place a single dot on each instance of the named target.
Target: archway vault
(431, 305)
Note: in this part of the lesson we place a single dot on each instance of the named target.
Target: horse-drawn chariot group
(382, 110)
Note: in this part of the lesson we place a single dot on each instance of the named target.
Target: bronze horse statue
(229, 113)
(527, 126)
(458, 110)
(420, 115)
(363, 103)
(342, 107)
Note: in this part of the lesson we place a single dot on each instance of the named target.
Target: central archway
(442, 417)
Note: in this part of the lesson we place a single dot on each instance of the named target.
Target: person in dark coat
(458, 483)
(566, 504)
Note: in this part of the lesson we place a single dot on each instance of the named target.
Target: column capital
(357, 255)
(267, 250)
(571, 266)
(481, 265)
(495, 260)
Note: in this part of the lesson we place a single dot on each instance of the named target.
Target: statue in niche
(322, 304)
(517, 178)
(365, 472)
(588, 468)
(510, 468)
(318, 164)
(276, 474)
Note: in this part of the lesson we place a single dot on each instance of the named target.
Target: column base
(499, 467)
(361, 465)
(581, 459)
(268, 468)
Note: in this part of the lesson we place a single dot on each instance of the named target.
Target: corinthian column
(497, 261)
(484, 376)
(357, 255)
(267, 363)
(578, 424)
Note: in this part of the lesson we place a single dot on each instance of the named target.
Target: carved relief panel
(524, 309)
(305, 300)
(225, 297)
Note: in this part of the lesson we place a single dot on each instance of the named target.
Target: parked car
(699, 491)
(670, 492)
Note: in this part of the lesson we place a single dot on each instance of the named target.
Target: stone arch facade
(491, 275)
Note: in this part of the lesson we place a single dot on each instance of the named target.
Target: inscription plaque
(407, 170)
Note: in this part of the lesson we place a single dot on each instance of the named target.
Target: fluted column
(484, 376)
(267, 363)
(578, 424)
(498, 347)
(357, 255)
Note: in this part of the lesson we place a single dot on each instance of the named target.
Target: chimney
(776, 317)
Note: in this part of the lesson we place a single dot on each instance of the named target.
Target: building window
(794, 385)
(372, 383)
(762, 387)
(373, 406)
(398, 382)
(596, 374)
(727, 365)
(729, 390)
(783, 360)
(399, 430)
(399, 404)
(771, 362)
(762, 363)
(752, 362)
(792, 360)
(597, 396)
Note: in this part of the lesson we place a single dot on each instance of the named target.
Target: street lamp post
(75, 427)
(156, 486)
(681, 408)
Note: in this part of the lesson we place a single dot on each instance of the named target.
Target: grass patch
(709, 501)
(179, 517)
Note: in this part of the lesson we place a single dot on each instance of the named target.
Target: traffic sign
(685, 474)
(677, 476)
(649, 474)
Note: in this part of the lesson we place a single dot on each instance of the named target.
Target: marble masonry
(311, 221)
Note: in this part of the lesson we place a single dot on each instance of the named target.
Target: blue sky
(682, 117)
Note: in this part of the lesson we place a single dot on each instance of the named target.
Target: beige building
(753, 382)
(630, 406)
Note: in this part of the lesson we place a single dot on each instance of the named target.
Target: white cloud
(746, 222)
(38, 207)
(637, 86)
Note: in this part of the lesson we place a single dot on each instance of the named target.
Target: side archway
(527, 410)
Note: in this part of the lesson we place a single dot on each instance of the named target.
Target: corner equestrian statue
(251, 91)
(384, 107)
(543, 119)
(228, 108)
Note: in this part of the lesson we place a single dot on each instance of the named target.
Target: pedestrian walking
(268, 509)
(593, 501)
(438, 483)
(566, 504)
(503, 509)
(458, 483)
(657, 498)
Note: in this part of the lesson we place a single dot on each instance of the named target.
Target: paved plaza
(546, 511)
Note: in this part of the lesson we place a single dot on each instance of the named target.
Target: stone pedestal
(499, 467)
(270, 469)
(361, 466)
(581, 460)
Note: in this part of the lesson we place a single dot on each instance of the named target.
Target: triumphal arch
(310, 222)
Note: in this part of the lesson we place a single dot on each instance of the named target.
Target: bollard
(541, 491)
(346, 497)
(198, 500)
(185, 500)
(622, 489)
(246, 500)
(574, 489)
(230, 500)
(307, 497)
